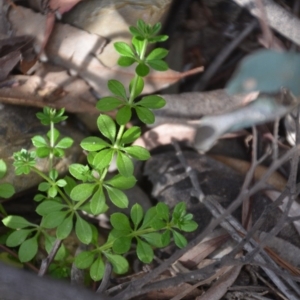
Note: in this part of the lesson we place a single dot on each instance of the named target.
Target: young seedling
(64, 201)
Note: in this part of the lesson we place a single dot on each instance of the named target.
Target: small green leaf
(156, 28)
(117, 88)
(97, 269)
(103, 158)
(49, 206)
(163, 211)
(84, 259)
(120, 221)
(158, 65)
(79, 171)
(124, 115)
(122, 182)
(44, 186)
(124, 61)
(71, 183)
(65, 143)
(16, 222)
(153, 102)
(142, 70)
(138, 152)
(145, 115)
(52, 192)
(144, 251)
(122, 245)
(61, 183)
(124, 164)
(55, 133)
(93, 143)
(6, 190)
(3, 168)
(136, 214)
(117, 197)
(150, 217)
(139, 86)
(179, 239)
(153, 238)
(141, 25)
(107, 127)
(83, 230)
(119, 263)
(166, 238)
(64, 229)
(188, 226)
(138, 44)
(43, 152)
(17, 237)
(54, 219)
(159, 38)
(124, 49)
(28, 249)
(82, 191)
(108, 103)
(134, 31)
(157, 54)
(97, 204)
(39, 141)
(131, 135)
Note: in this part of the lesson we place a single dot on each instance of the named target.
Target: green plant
(62, 201)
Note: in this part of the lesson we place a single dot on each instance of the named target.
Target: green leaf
(82, 191)
(134, 31)
(103, 158)
(61, 183)
(52, 192)
(65, 143)
(54, 219)
(124, 115)
(97, 269)
(163, 211)
(267, 71)
(153, 102)
(117, 88)
(124, 49)
(141, 25)
(166, 238)
(150, 218)
(124, 164)
(108, 103)
(145, 115)
(39, 141)
(93, 143)
(153, 238)
(83, 230)
(49, 206)
(138, 45)
(16, 222)
(58, 152)
(122, 245)
(138, 152)
(157, 54)
(159, 38)
(122, 182)
(188, 226)
(144, 251)
(17, 237)
(84, 259)
(6, 190)
(71, 183)
(179, 239)
(65, 228)
(119, 263)
(97, 204)
(3, 168)
(120, 221)
(79, 171)
(117, 197)
(55, 133)
(156, 28)
(142, 70)
(44, 186)
(28, 249)
(126, 61)
(107, 127)
(43, 152)
(136, 214)
(139, 86)
(131, 135)
(158, 65)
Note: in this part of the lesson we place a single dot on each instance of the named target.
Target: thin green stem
(52, 144)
